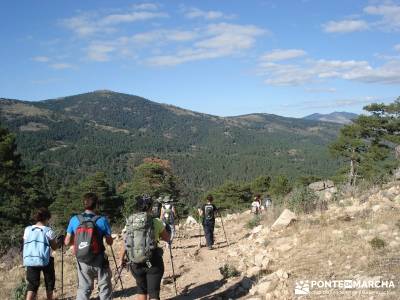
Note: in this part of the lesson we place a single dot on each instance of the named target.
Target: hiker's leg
(49, 279)
(154, 276)
(207, 234)
(30, 295)
(85, 281)
(104, 282)
(212, 226)
(33, 279)
(139, 273)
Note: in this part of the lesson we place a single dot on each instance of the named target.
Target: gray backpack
(140, 238)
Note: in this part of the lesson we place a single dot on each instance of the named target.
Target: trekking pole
(116, 266)
(199, 231)
(173, 269)
(223, 228)
(62, 270)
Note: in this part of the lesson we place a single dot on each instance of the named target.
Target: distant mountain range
(112, 132)
(335, 117)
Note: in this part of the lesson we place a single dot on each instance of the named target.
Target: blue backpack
(36, 247)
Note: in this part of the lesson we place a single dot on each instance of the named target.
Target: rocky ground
(357, 238)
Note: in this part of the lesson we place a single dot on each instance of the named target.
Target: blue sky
(223, 57)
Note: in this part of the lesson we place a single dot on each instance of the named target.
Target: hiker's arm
(161, 212)
(109, 240)
(69, 240)
(200, 211)
(165, 236)
(53, 244)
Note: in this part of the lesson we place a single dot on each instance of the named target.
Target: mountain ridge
(112, 132)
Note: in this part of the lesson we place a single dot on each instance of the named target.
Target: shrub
(377, 243)
(303, 200)
(228, 271)
(253, 222)
(19, 292)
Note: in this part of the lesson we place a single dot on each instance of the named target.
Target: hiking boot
(210, 247)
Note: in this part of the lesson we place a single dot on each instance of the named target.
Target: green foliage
(228, 271)
(261, 184)
(377, 243)
(232, 196)
(254, 222)
(303, 199)
(69, 200)
(280, 186)
(19, 293)
(153, 179)
(366, 144)
(113, 133)
(21, 191)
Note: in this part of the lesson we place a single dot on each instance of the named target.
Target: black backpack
(209, 212)
(87, 242)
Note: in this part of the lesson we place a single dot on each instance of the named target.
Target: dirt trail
(196, 269)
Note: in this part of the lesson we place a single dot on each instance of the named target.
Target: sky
(222, 57)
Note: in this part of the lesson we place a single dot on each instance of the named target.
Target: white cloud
(397, 47)
(345, 26)
(100, 51)
(42, 59)
(218, 40)
(280, 55)
(87, 24)
(61, 66)
(389, 13)
(311, 70)
(320, 90)
(146, 6)
(193, 13)
(130, 17)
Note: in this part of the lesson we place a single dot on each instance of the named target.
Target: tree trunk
(397, 151)
(351, 173)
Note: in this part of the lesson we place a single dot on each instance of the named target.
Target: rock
(267, 286)
(321, 185)
(375, 208)
(254, 271)
(284, 220)
(382, 228)
(282, 275)
(258, 260)
(397, 174)
(256, 229)
(190, 221)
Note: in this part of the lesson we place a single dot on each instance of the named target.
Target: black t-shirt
(209, 211)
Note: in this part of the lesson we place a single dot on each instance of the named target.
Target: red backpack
(87, 242)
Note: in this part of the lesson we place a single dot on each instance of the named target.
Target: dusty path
(196, 269)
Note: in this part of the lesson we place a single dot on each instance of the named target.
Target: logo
(83, 245)
(302, 287)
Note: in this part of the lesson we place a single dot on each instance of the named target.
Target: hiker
(256, 205)
(141, 252)
(168, 215)
(267, 201)
(207, 212)
(38, 239)
(86, 232)
(156, 208)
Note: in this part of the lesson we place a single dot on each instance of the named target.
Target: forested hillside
(75, 136)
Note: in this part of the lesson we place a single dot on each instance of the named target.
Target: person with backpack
(207, 212)
(267, 201)
(85, 233)
(256, 205)
(156, 208)
(39, 239)
(168, 215)
(141, 252)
